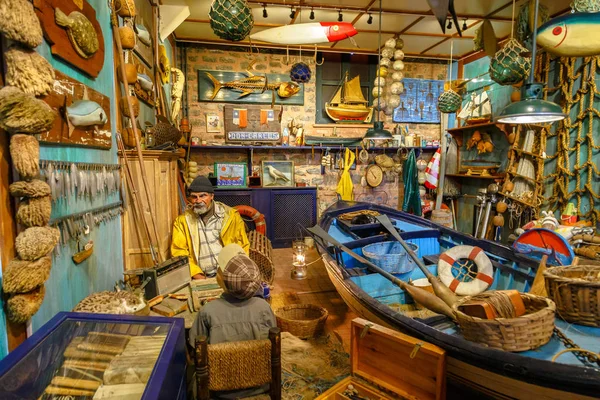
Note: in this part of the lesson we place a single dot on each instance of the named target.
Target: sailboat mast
(344, 87)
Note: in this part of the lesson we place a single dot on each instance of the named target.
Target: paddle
(422, 296)
(441, 290)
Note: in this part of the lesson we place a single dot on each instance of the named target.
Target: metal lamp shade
(531, 110)
(377, 132)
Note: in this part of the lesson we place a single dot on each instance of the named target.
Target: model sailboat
(348, 103)
(478, 109)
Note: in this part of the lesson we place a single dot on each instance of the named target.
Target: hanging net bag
(508, 66)
(231, 19)
(449, 101)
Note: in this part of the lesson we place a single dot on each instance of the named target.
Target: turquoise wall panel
(69, 283)
(3, 337)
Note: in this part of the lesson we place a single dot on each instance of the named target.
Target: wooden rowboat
(492, 372)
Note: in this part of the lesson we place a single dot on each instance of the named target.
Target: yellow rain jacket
(345, 186)
(185, 234)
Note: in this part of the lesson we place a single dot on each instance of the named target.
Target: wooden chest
(400, 365)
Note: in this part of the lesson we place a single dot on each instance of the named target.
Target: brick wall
(307, 164)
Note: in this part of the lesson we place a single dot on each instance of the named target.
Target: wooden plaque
(65, 91)
(254, 131)
(58, 38)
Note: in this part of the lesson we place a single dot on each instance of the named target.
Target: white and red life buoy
(485, 270)
(257, 218)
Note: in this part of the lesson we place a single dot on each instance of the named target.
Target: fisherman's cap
(201, 184)
(241, 276)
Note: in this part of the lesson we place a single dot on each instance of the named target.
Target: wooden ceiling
(411, 20)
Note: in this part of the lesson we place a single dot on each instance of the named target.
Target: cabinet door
(291, 209)
(162, 186)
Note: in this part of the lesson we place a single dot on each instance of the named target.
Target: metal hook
(322, 58)
(287, 55)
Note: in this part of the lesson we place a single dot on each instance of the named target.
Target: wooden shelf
(527, 153)
(473, 127)
(498, 176)
(344, 125)
(301, 148)
(523, 177)
(515, 199)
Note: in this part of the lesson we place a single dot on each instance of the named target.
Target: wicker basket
(302, 320)
(391, 256)
(523, 333)
(575, 290)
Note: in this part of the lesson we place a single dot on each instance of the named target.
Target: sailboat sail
(352, 92)
(477, 107)
(348, 102)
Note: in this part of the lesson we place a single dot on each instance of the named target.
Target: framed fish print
(231, 174)
(418, 102)
(278, 173)
(226, 87)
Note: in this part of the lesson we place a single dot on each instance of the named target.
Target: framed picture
(231, 174)
(214, 123)
(278, 173)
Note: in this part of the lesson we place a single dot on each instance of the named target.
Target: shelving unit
(496, 176)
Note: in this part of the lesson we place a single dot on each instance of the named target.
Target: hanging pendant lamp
(377, 132)
(532, 109)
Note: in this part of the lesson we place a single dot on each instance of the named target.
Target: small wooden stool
(261, 253)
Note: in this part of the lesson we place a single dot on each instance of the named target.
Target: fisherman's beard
(199, 209)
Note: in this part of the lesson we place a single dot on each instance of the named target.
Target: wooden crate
(402, 366)
(261, 253)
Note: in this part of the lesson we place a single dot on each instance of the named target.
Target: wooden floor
(315, 289)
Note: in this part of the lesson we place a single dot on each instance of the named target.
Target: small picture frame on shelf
(277, 173)
(231, 174)
(214, 123)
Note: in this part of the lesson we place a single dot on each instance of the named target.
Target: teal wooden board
(205, 89)
(3, 336)
(69, 283)
(499, 95)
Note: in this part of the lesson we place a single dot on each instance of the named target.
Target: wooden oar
(422, 296)
(441, 290)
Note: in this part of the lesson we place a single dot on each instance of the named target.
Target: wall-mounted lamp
(312, 14)
(265, 15)
(292, 13)
(340, 16)
(370, 20)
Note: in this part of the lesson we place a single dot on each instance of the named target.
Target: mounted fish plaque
(84, 115)
(73, 33)
(246, 87)
(252, 125)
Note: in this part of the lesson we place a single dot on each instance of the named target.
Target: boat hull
(494, 372)
(345, 113)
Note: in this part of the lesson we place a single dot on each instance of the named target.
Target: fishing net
(585, 5)
(310, 367)
(525, 21)
(449, 101)
(231, 19)
(300, 73)
(508, 66)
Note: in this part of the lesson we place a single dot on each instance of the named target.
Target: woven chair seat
(229, 362)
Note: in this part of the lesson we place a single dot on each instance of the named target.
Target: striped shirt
(210, 240)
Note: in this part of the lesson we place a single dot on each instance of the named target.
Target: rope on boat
(578, 350)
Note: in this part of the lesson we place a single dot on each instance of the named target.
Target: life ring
(485, 270)
(257, 218)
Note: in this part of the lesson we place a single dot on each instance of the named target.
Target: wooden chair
(239, 365)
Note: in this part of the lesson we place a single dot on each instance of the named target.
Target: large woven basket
(302, 320)
(523, 333)
(576, 291)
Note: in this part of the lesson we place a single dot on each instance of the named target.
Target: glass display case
(79, 356)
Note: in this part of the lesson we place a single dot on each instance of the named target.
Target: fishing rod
(421, 296)
(441, 290)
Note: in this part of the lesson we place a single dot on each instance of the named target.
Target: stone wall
(307, 162)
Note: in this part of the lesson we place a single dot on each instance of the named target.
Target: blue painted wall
(69, 283)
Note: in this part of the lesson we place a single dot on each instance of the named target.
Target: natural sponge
(20, 307)
(23, 276)
(20, 23)
(29, 71)
(22, 112)
(34, 211)
(25, 154)
(34, 188)
(36, 242)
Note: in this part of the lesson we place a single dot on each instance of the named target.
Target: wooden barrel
(442, 217)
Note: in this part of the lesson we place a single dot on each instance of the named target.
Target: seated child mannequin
(238, 314)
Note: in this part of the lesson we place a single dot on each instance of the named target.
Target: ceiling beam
(183, 39)
(488, 16)
(369, 8)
